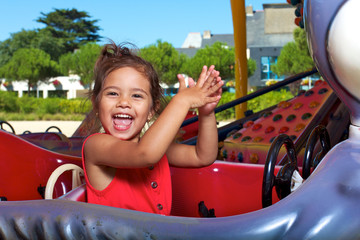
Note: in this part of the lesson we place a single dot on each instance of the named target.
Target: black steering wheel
(318, 133)
(282, 181)
(6, 123)
(49, 128)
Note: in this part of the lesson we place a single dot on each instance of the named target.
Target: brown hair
(113, 57)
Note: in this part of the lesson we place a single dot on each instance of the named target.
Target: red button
(256, 127)
(248, 124)
(269, 129)
(283, 129)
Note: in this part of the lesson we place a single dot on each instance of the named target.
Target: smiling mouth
(122, 121)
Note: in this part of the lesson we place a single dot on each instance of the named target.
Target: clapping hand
(208, 88)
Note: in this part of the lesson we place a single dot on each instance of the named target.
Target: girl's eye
(111, 93)
(137, 96)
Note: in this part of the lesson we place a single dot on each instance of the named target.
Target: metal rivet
(160, 207)
(154, 184)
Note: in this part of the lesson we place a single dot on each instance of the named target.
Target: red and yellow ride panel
(251, 143)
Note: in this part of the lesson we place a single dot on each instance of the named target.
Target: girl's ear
(151, 115)
(154, 110)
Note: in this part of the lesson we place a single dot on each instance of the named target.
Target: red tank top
(141, 189)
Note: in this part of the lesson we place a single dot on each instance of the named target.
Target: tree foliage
(294, 57)
(165, 59)
(55, 47)
(251, 65)
(218, 54)
(41, 39)
(72, 26)
(81, 62)
(65, 31)
(31, 65)
(22, 39)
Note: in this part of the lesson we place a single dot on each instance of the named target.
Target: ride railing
(237, 124)
(255, 94)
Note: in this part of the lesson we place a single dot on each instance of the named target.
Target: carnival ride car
(51, 139)
(324, 206)
(26, 168)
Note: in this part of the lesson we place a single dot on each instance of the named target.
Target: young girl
(126, 171)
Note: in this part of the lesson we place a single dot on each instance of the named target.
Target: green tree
(65, 31)
(72, 26)
(22, 39)
(294, 57)
(218, 54)
(165, 59)
(251, 65)
(66, 63)
(31, 65)
(81, 62)
(41, 39)
(45, 41)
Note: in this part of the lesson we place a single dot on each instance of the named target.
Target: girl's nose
(124, 102)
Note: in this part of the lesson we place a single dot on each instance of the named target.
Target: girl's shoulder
(91, 137)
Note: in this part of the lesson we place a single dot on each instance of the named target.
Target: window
(57, 94)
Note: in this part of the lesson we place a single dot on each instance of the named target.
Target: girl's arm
(106, 150)
(206, 149)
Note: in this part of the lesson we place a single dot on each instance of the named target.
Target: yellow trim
(241, 82)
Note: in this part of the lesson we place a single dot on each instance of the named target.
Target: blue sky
(141, 22)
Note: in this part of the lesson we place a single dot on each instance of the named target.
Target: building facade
(267, 32)
(63, 86)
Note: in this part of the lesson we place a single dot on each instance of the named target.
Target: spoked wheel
(282, 181)
(318, 133)
(49, 128)
(8, 124)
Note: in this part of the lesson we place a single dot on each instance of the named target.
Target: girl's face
(125, 103)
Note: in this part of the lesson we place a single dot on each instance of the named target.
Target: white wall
(68, 83)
